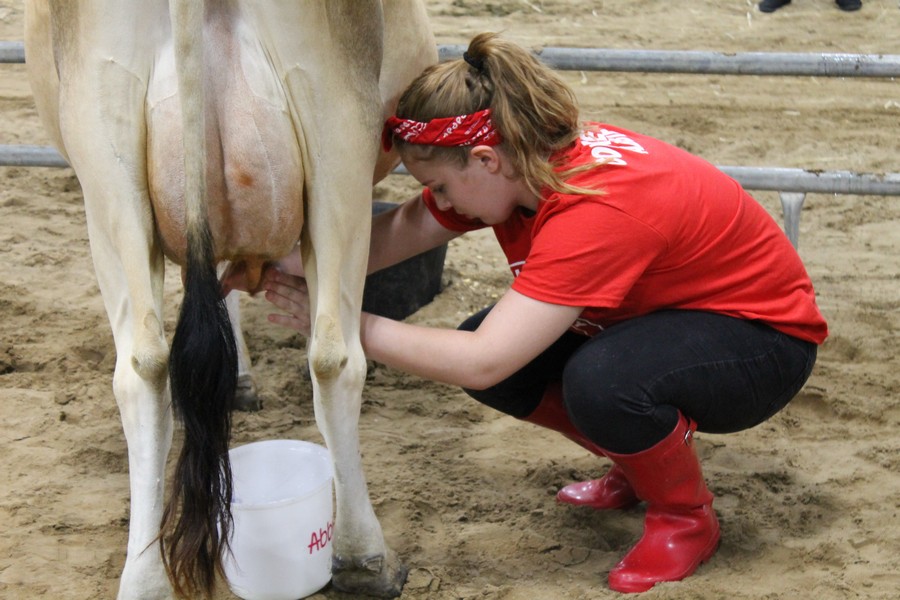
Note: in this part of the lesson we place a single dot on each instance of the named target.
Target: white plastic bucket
(283, 520)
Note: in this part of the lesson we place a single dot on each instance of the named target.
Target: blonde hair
(535, 112)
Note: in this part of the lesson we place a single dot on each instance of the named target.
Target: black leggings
(624, 387)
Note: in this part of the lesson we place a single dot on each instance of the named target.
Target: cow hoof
(245, 397)
(379, 576)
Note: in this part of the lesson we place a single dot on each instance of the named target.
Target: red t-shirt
(671, 231)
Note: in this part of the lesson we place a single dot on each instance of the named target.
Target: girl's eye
(437, 190)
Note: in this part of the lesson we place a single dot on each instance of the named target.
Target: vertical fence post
(791, 205)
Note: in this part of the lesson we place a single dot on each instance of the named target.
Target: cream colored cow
(256, 123)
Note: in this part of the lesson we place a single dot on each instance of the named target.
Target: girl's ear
(487, 156)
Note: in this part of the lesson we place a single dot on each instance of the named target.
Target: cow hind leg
(130, 275)
(362, 562)
(335, 268)
(139, 386)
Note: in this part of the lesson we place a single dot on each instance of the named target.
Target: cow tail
(203, 363)
(203, 375)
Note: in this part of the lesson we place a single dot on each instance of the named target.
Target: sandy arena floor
(808, 502)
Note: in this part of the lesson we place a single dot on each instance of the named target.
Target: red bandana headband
(465, 130)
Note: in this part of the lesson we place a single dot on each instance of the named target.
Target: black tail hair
(203, 367)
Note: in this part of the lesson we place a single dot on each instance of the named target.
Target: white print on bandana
(605, 146)
(453, 127)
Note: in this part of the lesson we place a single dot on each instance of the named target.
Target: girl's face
(484, 189)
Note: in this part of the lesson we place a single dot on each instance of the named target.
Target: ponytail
(535, 112)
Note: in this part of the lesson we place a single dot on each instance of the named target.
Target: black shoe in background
(768, 6)
(849, 5)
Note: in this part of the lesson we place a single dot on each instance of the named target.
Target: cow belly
(254, 169)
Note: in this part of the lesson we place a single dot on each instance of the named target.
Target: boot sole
(636, 587)
(617, 506)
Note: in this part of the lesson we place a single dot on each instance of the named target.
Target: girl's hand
(290, 294)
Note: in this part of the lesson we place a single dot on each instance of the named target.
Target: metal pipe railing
(671, 61)
(779, 179)
(702, 62)
(12, 52)
(776, 179)
(30, 156)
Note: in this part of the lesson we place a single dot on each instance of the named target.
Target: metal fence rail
(30, 156)
(779, 179)
(776, 179)
(12, 52)
(792, 186)
(702, 62)
(671, 61)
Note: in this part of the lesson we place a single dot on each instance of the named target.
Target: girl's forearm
(501, 345)
(445, 355)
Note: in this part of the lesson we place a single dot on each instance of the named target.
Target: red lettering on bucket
(319, 539)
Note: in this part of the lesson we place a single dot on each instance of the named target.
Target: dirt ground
(808, 502)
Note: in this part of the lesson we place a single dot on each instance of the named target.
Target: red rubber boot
(680, 530)
(612, 491)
